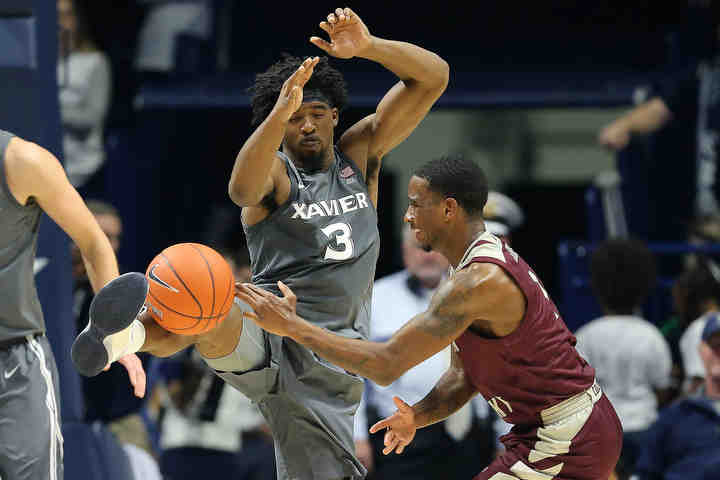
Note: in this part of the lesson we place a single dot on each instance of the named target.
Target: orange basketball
(191, 288)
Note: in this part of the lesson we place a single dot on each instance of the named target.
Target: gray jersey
(20, 312)
(323, 243)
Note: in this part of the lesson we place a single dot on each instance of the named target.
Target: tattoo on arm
(446, 314)
(450, 393)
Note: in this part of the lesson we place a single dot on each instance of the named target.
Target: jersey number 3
(341, 232)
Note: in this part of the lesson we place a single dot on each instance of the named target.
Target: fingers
(327, 27)
(302, 74)
(287, 293)
(248, 298)
(391, 442)
(136, 373)
(140, 383)
(320, 43)
(380, 425)
(339, 17)
(402, 406)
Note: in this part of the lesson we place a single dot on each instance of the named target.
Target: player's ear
(335, 116)
(451, 208)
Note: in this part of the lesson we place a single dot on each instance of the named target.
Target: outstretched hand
(400, 428)
(274, 314)
(348, 34)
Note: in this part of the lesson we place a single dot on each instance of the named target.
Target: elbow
(442, 76)
(389, 374)
(240, 196)
(383, 379)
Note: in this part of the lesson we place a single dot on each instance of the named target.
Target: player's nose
(408, 217)
(308, 126)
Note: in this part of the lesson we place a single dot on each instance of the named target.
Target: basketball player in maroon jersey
(508, 340)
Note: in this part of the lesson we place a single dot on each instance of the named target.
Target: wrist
(298, 329)
(278, 117)
(624, 124)
(371, 51)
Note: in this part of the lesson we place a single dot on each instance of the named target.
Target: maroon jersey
(534, 367)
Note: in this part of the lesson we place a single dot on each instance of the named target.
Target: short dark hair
(454, 176)
(622, 273)
(698, 285)
(99, 207)
(266, 89)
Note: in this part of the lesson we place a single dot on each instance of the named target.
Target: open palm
(400, 428)
(348, 34)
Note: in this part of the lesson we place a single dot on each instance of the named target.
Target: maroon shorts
(584, 445)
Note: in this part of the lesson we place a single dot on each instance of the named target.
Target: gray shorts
(31, 443)
(308, 402)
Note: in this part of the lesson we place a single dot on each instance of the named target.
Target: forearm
(253, 164)
(450, 393)
(646, 118)
(409, 62)
(100, 264)
(371, 360)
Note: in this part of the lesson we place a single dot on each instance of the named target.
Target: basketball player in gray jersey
(310, 220)
(33, 182)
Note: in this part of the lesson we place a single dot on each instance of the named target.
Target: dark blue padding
(17, 37)
(93, 453)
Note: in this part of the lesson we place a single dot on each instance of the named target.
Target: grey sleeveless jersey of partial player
(20, 312)
(323, 243)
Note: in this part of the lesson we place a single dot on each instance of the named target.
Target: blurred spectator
(502, 215)
(168, 26)
(697, 297)
(84, 78)
(631, 358)
(684, 442)
(691, 97)
(207, 429)
(703, 230)
(108, 398)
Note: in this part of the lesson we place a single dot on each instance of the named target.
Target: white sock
(125, 341)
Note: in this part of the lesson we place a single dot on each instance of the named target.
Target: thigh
(250, 353)
(30, 438)
(583, 446)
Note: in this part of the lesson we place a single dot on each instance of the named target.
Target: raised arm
(645, 118)
(423, 77)
(35, 173)
(257, 169)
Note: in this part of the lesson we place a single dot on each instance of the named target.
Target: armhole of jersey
(4, 185)
(351, 162)
(501, 264)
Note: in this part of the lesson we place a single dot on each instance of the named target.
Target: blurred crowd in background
(153, 108)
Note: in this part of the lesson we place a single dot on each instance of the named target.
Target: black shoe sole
(112, 310)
